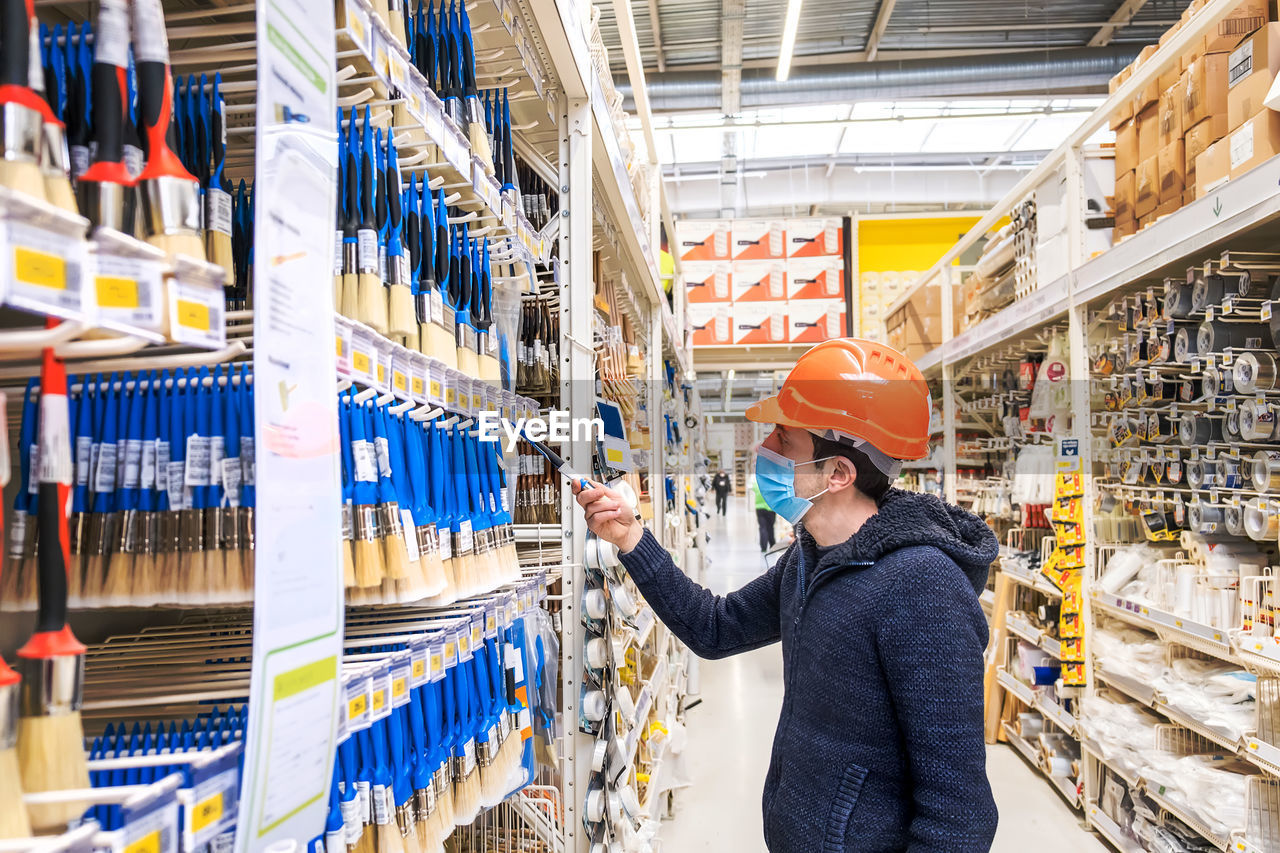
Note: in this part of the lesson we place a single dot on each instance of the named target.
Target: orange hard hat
(857, 391)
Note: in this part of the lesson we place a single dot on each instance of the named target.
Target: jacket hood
(906, 519)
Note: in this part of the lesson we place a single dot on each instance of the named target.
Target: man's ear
(843, 474)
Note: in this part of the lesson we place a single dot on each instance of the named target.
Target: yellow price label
(399, 687)
(464, 644)
(357, 706)
(476, 635)
(435, 388)
(477, 401)
(382, 373)
(419, 668)
(379, 699)
(436, 663)
(206, 812)
(116, 291)
(149, 843)
(417, 385)
(338, 338)
(399, 381)
(450, 395)
(360, 362)
(193, 315)
(39, 268)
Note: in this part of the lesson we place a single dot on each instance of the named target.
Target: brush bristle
(337, 293)
(403, 319)
(51, 757)
(368, 559)
(233, 560)
(366, 843)
(9, 596)
(395, 555)
(95, 578)
(467, 362)
(179, 243)
(433, 577)
(444, 808)
(58, 192)
(13, 812)
(388, 838)
(219, 249)
(117, 589)
(373, 302)
(23, 177)
(192, 564)
(145, 579)
(450, 591)
(348, 564)
(489, 369)
(466, 799)
(350, 304)
(439, 344)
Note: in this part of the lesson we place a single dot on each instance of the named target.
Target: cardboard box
(1125, 228)
(1146, 187)
(1127, 147)
(1124, 112)
(1172, 165)
(1150, 93)
(1244, 19)
(1213, 167)
(1251, 68)
(1148, 122)
(1254, 142)
(1173, 205)
(1126, 195)
(1199, 138)
(1170, 120)
(1204, 89)
(1169, 77)
(1188, 195)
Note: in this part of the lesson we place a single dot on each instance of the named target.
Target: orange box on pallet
(1124, 112)
(1150, 93)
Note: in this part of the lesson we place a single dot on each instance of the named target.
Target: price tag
(1209, 313)
(128, 292)
(399, 71)
(43, 271)
(1266, 311)
(419, 667)
(401, 672)
(400, 369)
(155, 831)
(383, 377)
(196, 315)
(359, 698)
(451, 389)
(418, 377)
(342, 339)
(364, 356)
(433, 117)
(358, 24)
(215, 807)
(380, 702)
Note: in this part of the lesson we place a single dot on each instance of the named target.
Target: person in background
(765, 518)
(722, 486)
(880, 743)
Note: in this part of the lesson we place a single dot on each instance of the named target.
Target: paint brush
(351, 231)
(231, 474)
(341, 215)
(24, 111)
(224, 579)
(22, 535)
(395, 557)
(367, 547)
(482, 317)
(168, 491)
(477, 131)
(218, 190)
(464, 537)
(481, 520)
(105, 187)
(372, 295)
(413, 250)
(443, 343)
(414, 440)
(146, 587)
(170, 193)
(101, 491)
(348, 484)
(55, 167)
(205, 563)
(402, 319)
(119, 588)
(248, 477)
(79, 60)
(13, 811)
(51, 753)
(441, 503)
(188, 563)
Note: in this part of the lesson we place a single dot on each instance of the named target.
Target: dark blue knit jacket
(880, 743)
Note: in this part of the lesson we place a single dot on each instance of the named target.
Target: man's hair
(870, 480)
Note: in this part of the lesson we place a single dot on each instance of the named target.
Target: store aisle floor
(731, 730)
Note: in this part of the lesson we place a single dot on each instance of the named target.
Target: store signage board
(295, 683)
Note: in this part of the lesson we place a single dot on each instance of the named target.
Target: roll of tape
(1204, 518)
(630, 800)
(1228, 475)
(595, 603)
(1243, 281)
(608, 554)
(595, 805)
(1257, 421)
(1261, 521)
(1159, 428)
(1177, 299)
(594, 705)
(1254, 371)
(1266, 470)
(1233, 520)
(622, 697)
(1184, 345)
(1196, 474)
(614, 807)
(599, 750)
(624, 600)
(1195, 429)
(1231, 426)
(1215, 383)
(597, 653)
(1217, 335)
(1206, 290)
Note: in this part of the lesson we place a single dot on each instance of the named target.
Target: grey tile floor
(731, 730)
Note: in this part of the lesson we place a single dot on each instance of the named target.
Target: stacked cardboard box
(915, 328)
(1172, 141)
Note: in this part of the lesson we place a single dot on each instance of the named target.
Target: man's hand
(609, 516)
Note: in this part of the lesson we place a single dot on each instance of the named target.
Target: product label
(368, 250)
(231, 477)
(84, 457)
(362, 455)
(199, 456)
(410, 532)
(1242, 146)
(162, 466)
(104, 479)
(132, 463)
(218, 211)
(382, 450)
(147, 473)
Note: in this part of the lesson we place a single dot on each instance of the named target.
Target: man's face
(797, 445)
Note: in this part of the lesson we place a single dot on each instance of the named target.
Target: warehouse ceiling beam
(733, 15)
(878, 29)
(656, 25)
(1121, 18)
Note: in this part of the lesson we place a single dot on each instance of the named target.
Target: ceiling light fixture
(789, 28)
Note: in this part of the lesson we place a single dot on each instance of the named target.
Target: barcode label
(177, 491)
(162, 466)
(133, 463)
(231, 477)
(368, 250)
(362, 454)
(84, 457)
(198, 458)
(147, 475)
(218, 214)
(217, 453)
(248, 462)
(104, 478)
(383, 451)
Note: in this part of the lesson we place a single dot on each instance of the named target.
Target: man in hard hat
(880, 743)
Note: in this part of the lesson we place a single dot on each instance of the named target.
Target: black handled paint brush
(218, 192)
(106, 186)
(51, 755)
(23, 110)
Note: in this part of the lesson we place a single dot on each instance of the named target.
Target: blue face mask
(776, 479)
